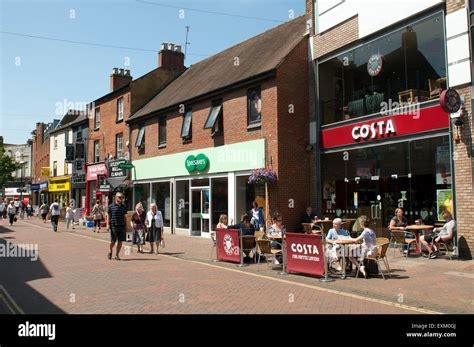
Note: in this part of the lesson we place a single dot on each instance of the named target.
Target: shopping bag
(162, 243)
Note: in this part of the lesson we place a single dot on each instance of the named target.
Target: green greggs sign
(199, 162)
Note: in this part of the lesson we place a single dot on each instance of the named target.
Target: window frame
(55, 168)
(141, 130)
(117, 137)
(97, 119)
(162, 133)
(118, 117)
(258, 122)
(96, 151)
(189, 134)
(218, 124)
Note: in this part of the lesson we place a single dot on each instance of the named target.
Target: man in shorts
(116, 224)
(444, 234)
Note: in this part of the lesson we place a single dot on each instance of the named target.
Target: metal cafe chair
(265, 248)
(399, 238)
(248, 244)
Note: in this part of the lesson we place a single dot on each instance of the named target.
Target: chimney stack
(170, 57)
(119, 78)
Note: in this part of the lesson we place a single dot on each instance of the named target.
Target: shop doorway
(200, 211)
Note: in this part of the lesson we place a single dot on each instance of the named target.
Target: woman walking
(154, 222)
(98, 213)
(138, 227)
(69, 217)
(11, 211)
(44, 210)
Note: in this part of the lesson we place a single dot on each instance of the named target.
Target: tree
(7, 166)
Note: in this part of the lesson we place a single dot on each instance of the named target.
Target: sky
(40, 78)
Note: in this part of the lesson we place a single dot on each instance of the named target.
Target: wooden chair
(259, 235)
(399, 238)
(435, 88)
(248, 244)
(382, 247)
(265, 248)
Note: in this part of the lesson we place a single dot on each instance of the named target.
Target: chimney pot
(171, 47)
(177, 48)
(164, 46)
(170, 57)
(115, 71)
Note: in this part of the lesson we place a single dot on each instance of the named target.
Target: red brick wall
(235, 125)
(40, 154)
(293, 138)
(108, 127)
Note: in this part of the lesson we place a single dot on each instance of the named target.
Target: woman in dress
(138, 226)
(154, 222)
(98, 213)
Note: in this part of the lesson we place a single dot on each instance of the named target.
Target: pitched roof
(70, 118)
(257, 55)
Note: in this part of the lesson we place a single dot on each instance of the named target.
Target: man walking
(116, 224)
(11, 211)
(55, 212)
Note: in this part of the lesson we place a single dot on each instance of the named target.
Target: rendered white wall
(374, 15)
(459, 64)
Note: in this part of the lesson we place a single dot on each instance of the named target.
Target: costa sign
(375, 64)
(450, 100)
(374, 130)
(305, 254)
(425, 120)
(228, 245)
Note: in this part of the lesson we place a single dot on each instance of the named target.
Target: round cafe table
(324, 223)
(343, 242)
(418, 229)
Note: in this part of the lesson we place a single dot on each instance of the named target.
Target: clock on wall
(375, 64)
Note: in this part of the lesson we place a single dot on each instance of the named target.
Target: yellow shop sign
(59, 185)
(45, 171)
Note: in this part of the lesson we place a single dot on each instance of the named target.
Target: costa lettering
(373, 131)
(304, 248)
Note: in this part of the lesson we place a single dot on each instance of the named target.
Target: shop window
(162, 132)
(186, 130)
(79, 135)
(246, 194)
(215, 119)
(182, 204)
(407, 65)
(219, 199)
(97, 118)
(55, 168)
(142, 194)
(140, 142)
(161, 197)
(254, 106)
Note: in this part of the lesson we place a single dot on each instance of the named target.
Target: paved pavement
(73, 275)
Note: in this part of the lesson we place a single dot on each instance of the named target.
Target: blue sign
(35, 187)
(43, 185)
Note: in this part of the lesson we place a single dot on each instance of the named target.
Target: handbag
(162, 243)
(15, 219)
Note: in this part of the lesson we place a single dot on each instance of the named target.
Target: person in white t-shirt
(55, 213)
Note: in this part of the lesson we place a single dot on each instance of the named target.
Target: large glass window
(414, 175)
(246, 194)
(219, 199)
(142, 194)
(161, 197)
(182, 204)
(407, 65)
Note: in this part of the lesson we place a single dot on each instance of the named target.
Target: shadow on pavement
(16, 272)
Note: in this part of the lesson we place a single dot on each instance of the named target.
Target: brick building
(41, 169)
(108, 133)
(384, 140)
(195, 144)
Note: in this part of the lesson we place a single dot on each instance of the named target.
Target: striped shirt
(117, 214)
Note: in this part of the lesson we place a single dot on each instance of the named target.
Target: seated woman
(398, 222)
(246, 228)
(369, 245)
(337, 232)
(275, 233)
(444, 234)
(221, 225)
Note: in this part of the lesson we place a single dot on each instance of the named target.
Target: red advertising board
(419, 121)
(228, 245)
(305, 254)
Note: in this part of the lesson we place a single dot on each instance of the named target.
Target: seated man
(308, 217)
(444, 234)
(337, 232)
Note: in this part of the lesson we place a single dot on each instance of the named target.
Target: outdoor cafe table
(417, 229)
(343, 242)
(308, 227)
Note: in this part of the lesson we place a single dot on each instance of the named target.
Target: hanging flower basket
(262, 177)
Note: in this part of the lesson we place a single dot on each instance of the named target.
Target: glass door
(200, 211)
